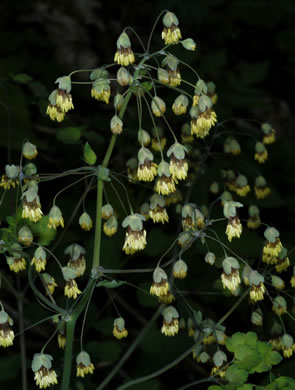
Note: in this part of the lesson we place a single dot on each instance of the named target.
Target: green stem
(71, 323)
(20, 307)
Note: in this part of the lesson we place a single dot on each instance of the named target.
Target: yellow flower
(45, 377)
(61, 339)
(159, 214)
(64, 100)
(261, 157)
(71, 289)
(6, 333)
(201, 125)
(168, 298)
(124, 56)
(32, 210)
(147, 171)
(17, 265)
(179, 269)
(55, 113)
(178, 168)
(271, 251)
(210, 339)
(234, 228)
(254, 222)
(165, 185)
(171, 32)
(160, 289)
(170, 328)
(219, 371)
(232, 280)
(243, 191)
(103, 95)
(55, 218)
(269, 138)
(50, 282)
(84, 370)
(134, 241)
(78, 265)
(158, 146)
(119, 330)
(257, 292)
(110, 227)
(39, 264)
(282, 264)
(85, 222)
(292, 281)
(261, 192)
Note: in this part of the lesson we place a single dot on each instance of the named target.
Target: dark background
(245, 47)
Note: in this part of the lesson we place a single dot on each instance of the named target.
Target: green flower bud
(123, 77)
(143, 137)
(189, 44)
(29, 150)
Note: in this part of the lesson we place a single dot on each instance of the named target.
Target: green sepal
(84, 358)
(64, 83)
(41, 360)
(271, 234)
(98, 73)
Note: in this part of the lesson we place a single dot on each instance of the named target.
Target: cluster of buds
(60, 100)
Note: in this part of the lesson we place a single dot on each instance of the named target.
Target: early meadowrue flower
(85, 221)
(233, 228)
(186, 136)
(44, 375)
(171, 63)
(189, 44)
(185, 240)
(158, 106)
(283, 262)
(180, 269)
(163, 76)
(230, 277)
(211, 92)
(61, 340)
(219, 360)
(31, 203)
(178, 166)
(124, 54)
(260, 188)
(116, 125)
(188, 215)
(118, 101)
(200, 89)
(119, 330)
(50, 282)
(171, 32)
(25, 236)
(123, 77)
(214, 188)
(11, 177)
(77, 260)
(170, 323)
(64, 100)
(29, 150)
(6, 333)
(254, 219)
(16, 263)
(143, 138)
(165, 183)
(292, 281)
(287, 345)
(210, 258)
(242, 186)
(180, 105)
(273, 246)
(54, 111)
(84, 365)
(71, 289)
(145, 209)
(173, 198)
(135, 237)
(167, 299)
(200, 219)
(110, 227)
(147, 169)
(232, 146)
(269, 133)
(101, 90)
(277, 282)
(39, 259)
(279, 305)
(55, 218)
(107, 211)
(230, 179)
(261, 154)
(257, 286)
(158, 140)
(203, 117)
(257, 317)
(160, 286)
(157, 210)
